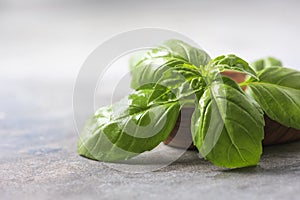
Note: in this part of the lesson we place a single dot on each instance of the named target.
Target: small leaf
(261, 64)
(232, 62)
(184, 81)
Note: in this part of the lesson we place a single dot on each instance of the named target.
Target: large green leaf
(227, 126)
(278, 93)
(149, 68)
(128, 128)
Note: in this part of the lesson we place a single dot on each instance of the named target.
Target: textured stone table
(59, 173)
(38, 159)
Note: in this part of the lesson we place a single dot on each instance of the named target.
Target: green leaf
(184, 81)
(231, 62)
(172, 53)
(227, 126)
(263, 63)
(149, 72)
(127, 128)
(278, 93)
(188, 53)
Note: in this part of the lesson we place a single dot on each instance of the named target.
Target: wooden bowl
(275, 133)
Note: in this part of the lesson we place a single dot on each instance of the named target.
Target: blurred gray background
(50, 39)
(43, 44)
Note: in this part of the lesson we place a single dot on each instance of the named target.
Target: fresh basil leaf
(227, 126)
(261, 64)
(231, 62)
(184, 81)
(188, 53)
(170, 54)
(278, 93)
(127, 128)
(149, 72)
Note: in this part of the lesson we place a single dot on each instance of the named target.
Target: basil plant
(227, 125)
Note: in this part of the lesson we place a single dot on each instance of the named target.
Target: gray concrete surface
(38, 160)
(61, 174)
(44, 43)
